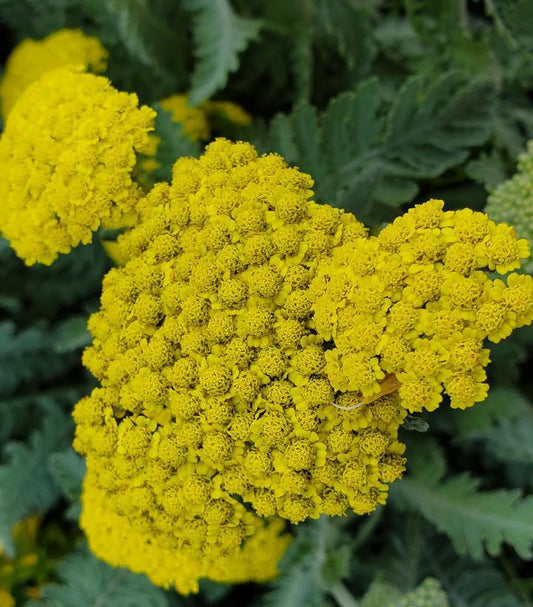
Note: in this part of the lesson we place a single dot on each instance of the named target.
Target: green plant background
(386, 103)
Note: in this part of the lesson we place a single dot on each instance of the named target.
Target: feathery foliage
(26, 485)
(84, 580)
(364, 151)
(27, 357)
(219, 36)
(473, 519)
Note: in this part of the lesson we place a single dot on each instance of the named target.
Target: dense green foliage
(385, 103)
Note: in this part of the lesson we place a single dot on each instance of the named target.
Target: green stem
(463, 17)
(343, 596)
(514, 580)
(366, 528)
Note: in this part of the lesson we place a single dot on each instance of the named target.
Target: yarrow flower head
(33, 58)
(251, 349)
(67, 153)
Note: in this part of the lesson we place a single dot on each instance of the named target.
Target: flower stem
(343, 596)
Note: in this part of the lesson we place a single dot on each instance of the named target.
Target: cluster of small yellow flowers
(172, 557)
(213, 379)
(33, 58)
(237, 344)
(196, 120)
(193, 119)
(512, 201)
(67, 154)
(416, 302)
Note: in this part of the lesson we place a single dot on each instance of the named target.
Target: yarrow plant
(290, 354)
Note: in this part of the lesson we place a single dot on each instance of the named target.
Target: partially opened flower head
(67, 154)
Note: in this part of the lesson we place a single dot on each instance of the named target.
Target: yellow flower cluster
(33, 58)
(6, 599)
(193, 119)
(512, 201)
(233, 350)
(160, 544)
(67, 155)
(417, 302)
(196, 120)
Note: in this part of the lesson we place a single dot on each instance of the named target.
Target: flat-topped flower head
(68, 152)
(260, 351)
(33, 58)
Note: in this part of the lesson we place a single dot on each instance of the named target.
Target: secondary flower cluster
(512, 200)
(196, 120)
(33, 58)
(417, 302)
(236, 346)
(67, 154)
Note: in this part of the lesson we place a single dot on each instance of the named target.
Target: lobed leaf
(472, 519)
(84, 580)
(219, 36)
(26, 485)
(365, 151)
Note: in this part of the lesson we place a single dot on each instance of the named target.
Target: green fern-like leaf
(502, 426)
(26, 485)
(467, 583)
(513, 18)
(147, 41)
(22, 412)
(478, 422)
(42, 292)
(84, 580)
(314, 562)
(72, 334)
(364, 151)
(510, 441)
(349, 24)
(27, 357)
(472, 519)
(219, 36)
(35, 18)
(68, 469)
